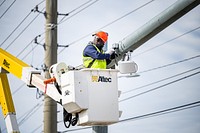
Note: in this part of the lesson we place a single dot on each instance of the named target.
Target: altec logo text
(6, 64)
(101, 79)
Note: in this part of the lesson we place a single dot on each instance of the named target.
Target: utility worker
(93, 54)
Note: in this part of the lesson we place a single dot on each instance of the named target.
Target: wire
(60, 23)
(30, 113)
(165, 111)
(160, 80)
(16, 27)
(125, 15)
(156, 88)
(169, 64)
(41, 2)
(79, 11)
(22, 31)
(24, 48)
(99, 28)
(112, 22)
(158, 113)
(153, 114)
(8, 9)
(168, 41)
(36, 128)
(19, 25)
(19, 88)
(2, 3)
(74, 11)
(31, 50)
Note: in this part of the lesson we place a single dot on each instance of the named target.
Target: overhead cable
(148, 115)
(16, 28)
(156, 88)
(2, 3)
(30, 113)
(99, 28)
(8, 9)
(78, 11)
(22, 31)
(74, 10)
(125, 15)
(61, 21)
(160, 81)
(165, 111)
(41, 2)
(36, 129)
(179, 36)
(19, 88)
(19, 24)
(177, 62)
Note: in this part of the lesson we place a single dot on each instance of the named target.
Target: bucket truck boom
(91, 95)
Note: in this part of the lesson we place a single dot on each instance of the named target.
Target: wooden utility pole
(50, 106)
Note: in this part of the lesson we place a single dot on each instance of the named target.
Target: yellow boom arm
(32, 77)
(9, 63)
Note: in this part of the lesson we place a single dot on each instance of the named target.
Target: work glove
(113, 56)
(110, 51)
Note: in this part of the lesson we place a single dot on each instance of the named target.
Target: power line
(99, 28)
(22, 31)
(16, 27)
(19, 88)
(28, 46)
(179, 36)
(153, 114)
(60, 23)
(2, 3)
(74, 11)
(20, 24)
(165, 111)
(79, 11)
(169, 64)
(160, 80)
(29, 113)
(41, 2)
(8, 9)
(25, 49)
(156, 88)
(112, 22)
(31, 49)
(36, 128)
(148, 49)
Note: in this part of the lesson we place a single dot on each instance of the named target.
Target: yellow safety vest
(89, 62)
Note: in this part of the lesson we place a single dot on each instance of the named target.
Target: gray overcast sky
(158, 51)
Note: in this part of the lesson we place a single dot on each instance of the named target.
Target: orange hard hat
(102, 35)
